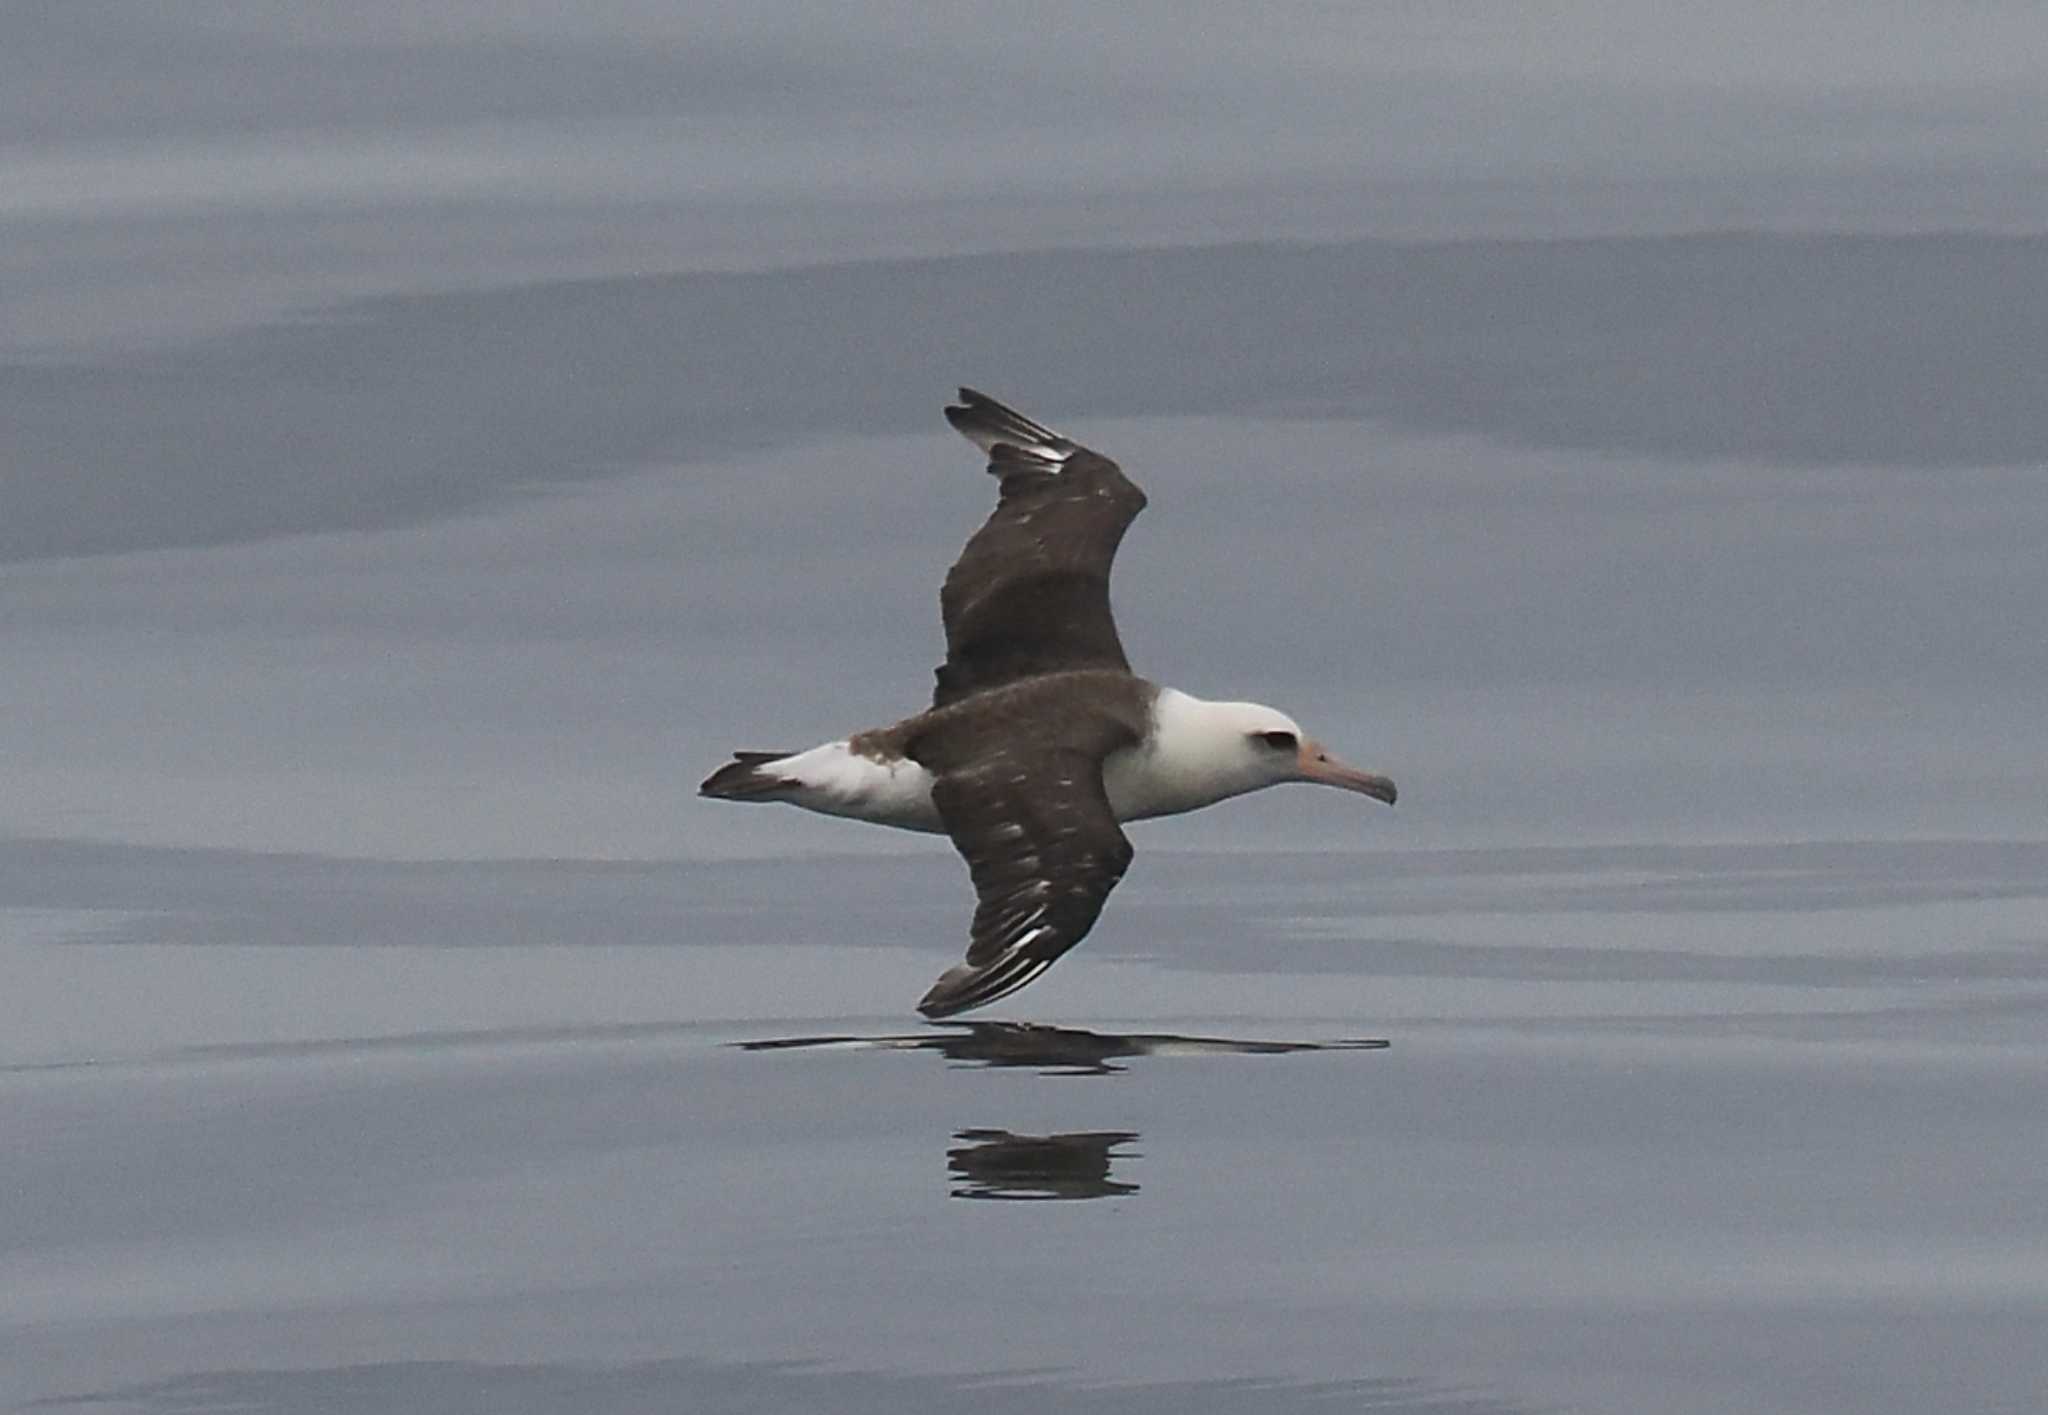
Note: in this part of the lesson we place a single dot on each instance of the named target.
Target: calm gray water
(299, 1116)
(1685, 1129)
(438, 432)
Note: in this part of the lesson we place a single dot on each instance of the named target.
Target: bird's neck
(1193, 757)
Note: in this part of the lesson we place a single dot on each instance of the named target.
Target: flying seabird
(1040, 741)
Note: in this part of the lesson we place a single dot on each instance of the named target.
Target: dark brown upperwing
(1030, 593)
(1018, 783)
(1044, 855)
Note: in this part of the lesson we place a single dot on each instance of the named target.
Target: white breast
(1194, 756)
(1142, 782)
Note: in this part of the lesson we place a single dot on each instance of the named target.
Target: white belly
(836, 781)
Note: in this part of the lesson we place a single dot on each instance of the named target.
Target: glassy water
(1609, 1130)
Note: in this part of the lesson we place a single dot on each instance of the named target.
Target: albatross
(1040, 743)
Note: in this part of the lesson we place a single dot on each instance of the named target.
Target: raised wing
(1030, 593)
(1044, 851)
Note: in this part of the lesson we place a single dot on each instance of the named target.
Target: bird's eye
(1279, 741)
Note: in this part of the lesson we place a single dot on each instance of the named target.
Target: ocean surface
(434, 434)
(386, 1027)
(1608, 1129)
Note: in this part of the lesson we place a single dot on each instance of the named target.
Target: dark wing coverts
(1030, 593)
(1032, 821)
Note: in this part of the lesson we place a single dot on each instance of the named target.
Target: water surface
(1677, 1129)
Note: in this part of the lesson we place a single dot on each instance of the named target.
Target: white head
(1227, 749)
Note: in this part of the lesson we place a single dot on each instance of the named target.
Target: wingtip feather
(964, 987)
(990, 424)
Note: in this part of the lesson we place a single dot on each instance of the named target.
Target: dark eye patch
(1279, 741)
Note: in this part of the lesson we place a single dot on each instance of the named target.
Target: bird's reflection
(995, 1164)
(1065, 1051)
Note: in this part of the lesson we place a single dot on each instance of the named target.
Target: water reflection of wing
(995, 1164)
(1066, 1050)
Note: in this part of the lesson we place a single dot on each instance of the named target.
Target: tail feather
(746, 777)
